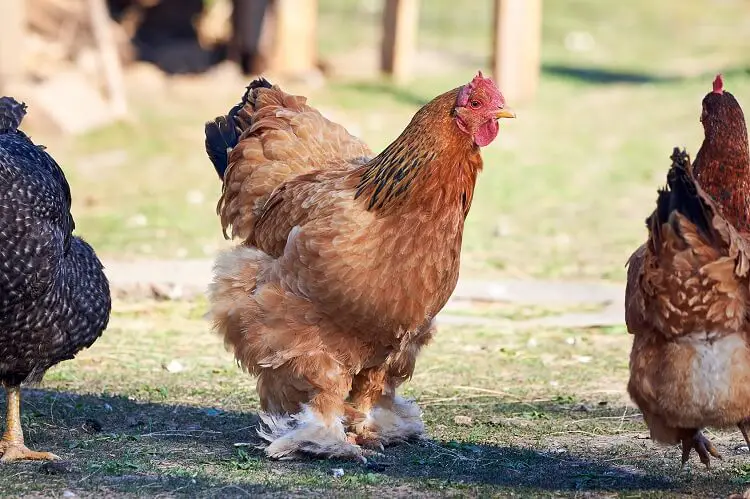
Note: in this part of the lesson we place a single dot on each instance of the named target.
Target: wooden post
(12, 36)
(400, 26)
(516, 58)
(295, 47)
(109, 56)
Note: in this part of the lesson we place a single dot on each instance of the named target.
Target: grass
(508, 412)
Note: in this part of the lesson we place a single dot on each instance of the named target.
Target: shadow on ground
(118, 446)
(605, 76)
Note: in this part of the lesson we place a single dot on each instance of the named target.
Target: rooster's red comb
(719, 84)
(477, 81)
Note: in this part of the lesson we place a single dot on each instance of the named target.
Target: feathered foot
(12, 446)
(306, 432)
(391, 421)
(694, 439)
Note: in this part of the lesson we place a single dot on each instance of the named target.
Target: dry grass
(531, 413)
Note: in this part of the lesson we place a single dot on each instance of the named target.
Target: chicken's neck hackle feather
(431, 159)
(722, 165)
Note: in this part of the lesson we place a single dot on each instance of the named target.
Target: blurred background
(119, 90)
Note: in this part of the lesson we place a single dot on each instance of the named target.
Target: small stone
(174, 366)
(337, 472)
(463, 420)
(69, 493)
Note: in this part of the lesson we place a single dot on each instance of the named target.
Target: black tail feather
(223, 133)
(11, 114)
(221, 137)
(681, 195)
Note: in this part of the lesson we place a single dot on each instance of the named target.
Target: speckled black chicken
(54, 296)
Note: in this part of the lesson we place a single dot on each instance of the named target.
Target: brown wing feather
(692, 275)
(296, 201)
(282, 137)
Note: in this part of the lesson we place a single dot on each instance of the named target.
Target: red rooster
(346, 258)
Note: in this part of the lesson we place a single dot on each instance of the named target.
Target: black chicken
(54, 296)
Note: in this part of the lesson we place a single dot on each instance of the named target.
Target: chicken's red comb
(719, 84)
(465, 92)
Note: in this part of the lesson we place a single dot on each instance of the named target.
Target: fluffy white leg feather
(403, 422)
(306, 432)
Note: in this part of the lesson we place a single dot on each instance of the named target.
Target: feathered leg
(304, 404)
(389, 418)
(368, 388)
(12, 446)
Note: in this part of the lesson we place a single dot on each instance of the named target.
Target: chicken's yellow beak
(505, 113)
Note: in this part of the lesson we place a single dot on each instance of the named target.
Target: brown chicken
(346, 258)
(688, 291)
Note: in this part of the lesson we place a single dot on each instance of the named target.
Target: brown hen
(346, 258)
(688, 290)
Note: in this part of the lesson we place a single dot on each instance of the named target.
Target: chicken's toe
(13, 451)
(369, 440)
(703, 447)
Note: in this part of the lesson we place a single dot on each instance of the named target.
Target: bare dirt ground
(186, 279)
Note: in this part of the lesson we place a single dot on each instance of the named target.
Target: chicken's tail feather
(681, 196)
(223, 133)
(11, 114)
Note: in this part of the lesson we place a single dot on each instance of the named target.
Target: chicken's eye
(475, 104)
